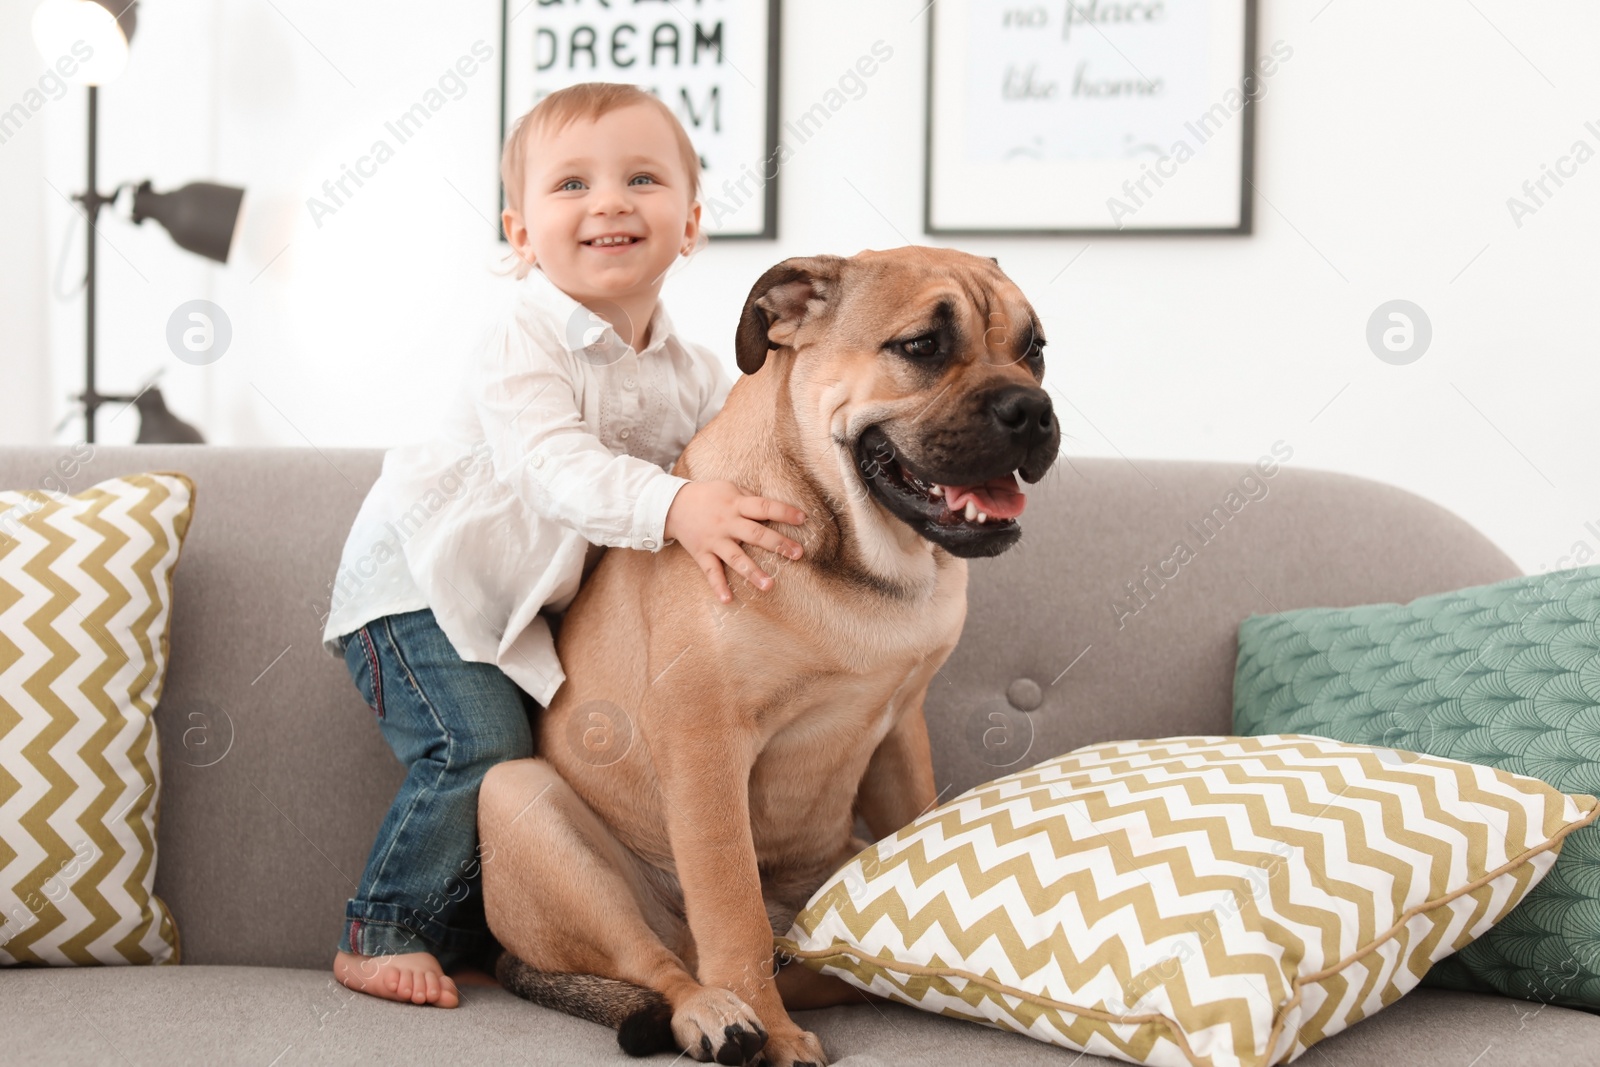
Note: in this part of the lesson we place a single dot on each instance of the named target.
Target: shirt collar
(576, 325)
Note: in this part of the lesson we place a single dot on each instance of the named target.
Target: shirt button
(650, 543)
(537, 460)
(628, 382)
(623, 435)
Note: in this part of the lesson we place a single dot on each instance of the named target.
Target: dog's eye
(1035, 351)
(920, 347)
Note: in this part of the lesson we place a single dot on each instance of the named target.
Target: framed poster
(1091, 117)
(714, 62)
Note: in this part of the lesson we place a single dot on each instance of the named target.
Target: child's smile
(612, 243)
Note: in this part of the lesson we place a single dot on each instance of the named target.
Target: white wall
(1387, 148)
(23, 365)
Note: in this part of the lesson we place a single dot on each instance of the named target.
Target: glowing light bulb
(85, 31)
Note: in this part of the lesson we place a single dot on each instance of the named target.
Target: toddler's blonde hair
(588, 101)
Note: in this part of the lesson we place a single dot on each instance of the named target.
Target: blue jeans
(448, 721)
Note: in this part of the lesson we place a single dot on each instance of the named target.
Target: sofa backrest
(1094, 627)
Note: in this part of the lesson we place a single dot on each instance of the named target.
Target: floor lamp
(87, 41)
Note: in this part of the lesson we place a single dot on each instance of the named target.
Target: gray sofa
(275, 780)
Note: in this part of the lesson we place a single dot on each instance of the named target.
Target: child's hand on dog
(710, 519)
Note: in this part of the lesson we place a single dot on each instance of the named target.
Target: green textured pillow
(1506, 675)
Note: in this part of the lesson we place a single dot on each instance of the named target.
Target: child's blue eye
(646, 177)
(571, 184)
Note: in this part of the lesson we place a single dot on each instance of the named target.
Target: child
(558, 443)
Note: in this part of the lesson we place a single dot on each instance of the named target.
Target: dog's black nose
(1024, 411)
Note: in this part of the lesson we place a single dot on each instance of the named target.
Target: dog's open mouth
(998, 500)
(970, 517)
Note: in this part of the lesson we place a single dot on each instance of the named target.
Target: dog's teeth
(982, 517)
(936, 492)
(971, 512)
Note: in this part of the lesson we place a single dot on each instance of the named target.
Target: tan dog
(702, 765)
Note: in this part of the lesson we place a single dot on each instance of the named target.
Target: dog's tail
(641, 1017)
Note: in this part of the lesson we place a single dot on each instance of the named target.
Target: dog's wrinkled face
(920, 369)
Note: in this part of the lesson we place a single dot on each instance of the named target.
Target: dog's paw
(714, 1026)
(798, 1049)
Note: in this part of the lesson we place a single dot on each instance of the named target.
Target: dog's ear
(779, 302)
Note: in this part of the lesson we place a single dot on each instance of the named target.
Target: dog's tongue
(998, 498)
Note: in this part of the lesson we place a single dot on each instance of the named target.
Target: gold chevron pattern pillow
(85, 599)
(1225, 901)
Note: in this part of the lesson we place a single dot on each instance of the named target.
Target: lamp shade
(200, 217)
(96, 33)
(158, 426)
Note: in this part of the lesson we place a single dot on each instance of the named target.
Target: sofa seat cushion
(285, 1017)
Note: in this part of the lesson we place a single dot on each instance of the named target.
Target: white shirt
(559, 441)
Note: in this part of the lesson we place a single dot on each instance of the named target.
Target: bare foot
(407, 976)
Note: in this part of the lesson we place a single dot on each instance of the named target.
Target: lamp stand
(92, 203)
